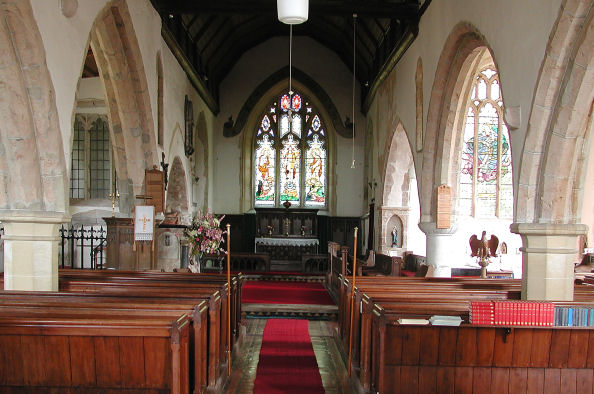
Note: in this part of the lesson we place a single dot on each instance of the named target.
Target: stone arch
(395, 174)
(119, 61)
(249, 129)
(33, 174)
(552, 174)
(396, 169)
(460, 56)
(177, 194)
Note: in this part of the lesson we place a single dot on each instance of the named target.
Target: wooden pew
(382, 265)
(483, 359)
(214, 293)
(413, 301)
(19, 303)
(193, 287)
(173, 277)
(381, 301)
(94, 354)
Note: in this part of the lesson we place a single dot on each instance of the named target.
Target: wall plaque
(444, 206)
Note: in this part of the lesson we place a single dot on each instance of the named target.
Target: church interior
(300, 196)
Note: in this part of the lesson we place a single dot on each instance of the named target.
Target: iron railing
(83, 247)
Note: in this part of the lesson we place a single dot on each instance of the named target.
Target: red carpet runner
(275, 292)
(287, 360)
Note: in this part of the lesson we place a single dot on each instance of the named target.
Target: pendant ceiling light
(292, 12)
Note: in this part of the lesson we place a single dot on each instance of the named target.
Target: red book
(498, 313)
(551, 308)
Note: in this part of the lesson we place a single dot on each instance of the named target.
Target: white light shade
(292, 12)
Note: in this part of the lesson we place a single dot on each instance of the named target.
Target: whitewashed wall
(253, 68)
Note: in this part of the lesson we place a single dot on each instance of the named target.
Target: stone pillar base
(547, 259)
(31, 242)
(438, 249)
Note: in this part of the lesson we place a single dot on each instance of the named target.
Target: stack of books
(512, 313)
(440, 320)
(574, 316)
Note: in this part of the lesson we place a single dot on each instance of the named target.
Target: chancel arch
(309, 157)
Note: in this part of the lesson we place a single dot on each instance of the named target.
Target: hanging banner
(144, 219)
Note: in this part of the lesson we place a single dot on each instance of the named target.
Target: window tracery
(290, 155)
(485, 187)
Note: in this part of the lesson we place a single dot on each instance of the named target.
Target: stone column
(547, 259)
(439, 243)
(31, 241)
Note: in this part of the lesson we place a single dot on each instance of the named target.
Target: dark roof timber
(208, 37)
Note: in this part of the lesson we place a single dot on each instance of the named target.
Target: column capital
(543, 229)
(548, 254)
(27, 216)
(430, 229)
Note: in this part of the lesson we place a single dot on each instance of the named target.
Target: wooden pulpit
(120, 252)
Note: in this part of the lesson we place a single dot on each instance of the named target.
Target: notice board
(444, 206)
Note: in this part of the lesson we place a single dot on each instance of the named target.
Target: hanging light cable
(290, 60)
(290, 77)
(354, 82)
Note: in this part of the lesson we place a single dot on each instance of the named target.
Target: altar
(286, 235)
(285, 253)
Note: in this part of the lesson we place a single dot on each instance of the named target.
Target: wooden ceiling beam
(405, 9)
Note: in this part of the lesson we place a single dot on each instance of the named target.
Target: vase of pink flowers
(204, 236)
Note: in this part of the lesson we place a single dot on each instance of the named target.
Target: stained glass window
(485, 182)
(290, 170)
(291, 164)
(265, 175)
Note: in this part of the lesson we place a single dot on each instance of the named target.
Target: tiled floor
(332, 368)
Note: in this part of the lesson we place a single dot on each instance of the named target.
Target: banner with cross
(144, 219)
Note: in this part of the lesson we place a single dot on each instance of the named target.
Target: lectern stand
(120, 241)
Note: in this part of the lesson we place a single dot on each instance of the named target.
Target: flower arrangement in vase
(204, 236)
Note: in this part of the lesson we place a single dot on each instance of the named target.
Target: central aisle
(331, 367)
(287, 360)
